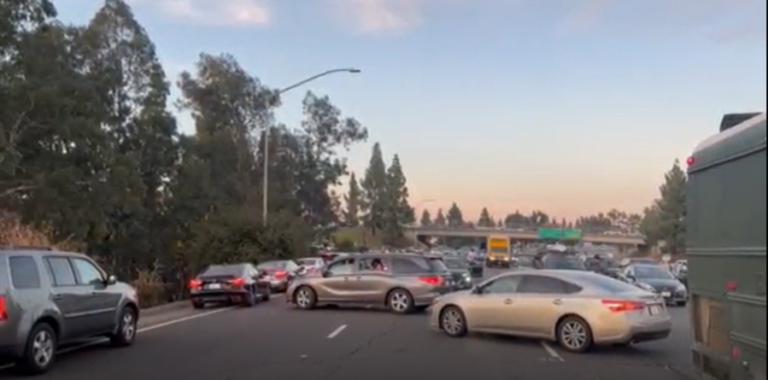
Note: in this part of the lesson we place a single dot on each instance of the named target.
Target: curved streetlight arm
(265, 184)
(318, 76)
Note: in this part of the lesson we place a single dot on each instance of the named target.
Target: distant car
(562, 261)
(460, 270)
(49, 298)
(656, 278)
(311, 265)
(230, 284)
(577, 309)
(280, 273)
(402, 283)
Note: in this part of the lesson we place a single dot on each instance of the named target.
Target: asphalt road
(276, 342)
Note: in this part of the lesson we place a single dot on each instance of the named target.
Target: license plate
(214, 286)
(666, 294)
(654, 310)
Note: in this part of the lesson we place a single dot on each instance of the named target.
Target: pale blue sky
(570, 106)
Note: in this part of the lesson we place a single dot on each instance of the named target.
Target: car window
(416, 265)
(342, 267)
(652, 272)
(454, 264)
(24, 272)
(605, 284)
(88, 274)
(222, 270)
(546, 285)
(61, 271)
(372, 264)
(503, 285)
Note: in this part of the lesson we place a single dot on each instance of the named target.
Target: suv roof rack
(26, 248)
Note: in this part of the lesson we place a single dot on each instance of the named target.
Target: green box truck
(726, 242)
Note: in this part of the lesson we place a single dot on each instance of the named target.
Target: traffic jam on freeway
(375, 314)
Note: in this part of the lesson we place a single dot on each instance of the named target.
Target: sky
(572, 107)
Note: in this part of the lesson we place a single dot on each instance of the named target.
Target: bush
(150, 287)
(15, 233)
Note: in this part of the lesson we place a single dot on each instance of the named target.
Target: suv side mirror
(111, 279)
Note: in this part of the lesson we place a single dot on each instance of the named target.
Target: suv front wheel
(126, 328)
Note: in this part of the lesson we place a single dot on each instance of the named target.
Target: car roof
(32, 251)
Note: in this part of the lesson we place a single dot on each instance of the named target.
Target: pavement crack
(360, 348)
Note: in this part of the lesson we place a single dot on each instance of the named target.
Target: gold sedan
(577, 309)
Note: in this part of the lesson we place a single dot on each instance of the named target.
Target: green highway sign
(560, 234)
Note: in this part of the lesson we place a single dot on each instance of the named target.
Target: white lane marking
(138, 331)
(551, 351)
(336, 332)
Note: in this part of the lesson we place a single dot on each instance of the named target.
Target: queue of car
(555, 298)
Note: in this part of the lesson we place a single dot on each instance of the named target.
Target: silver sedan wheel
(452, 322)
(303, 298)
(399, 302)
(573, 335)
(129, 326)
(43, 347)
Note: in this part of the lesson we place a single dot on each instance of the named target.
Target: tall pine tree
(352, 212)
(374, 191)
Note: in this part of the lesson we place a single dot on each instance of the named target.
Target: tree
(84, 121)
(516, 220)
(664, 221)
(672, 210)
(426, 218)
(455, 218)
(374, 188)
(485, 220)
(351, 215)
(440, 219)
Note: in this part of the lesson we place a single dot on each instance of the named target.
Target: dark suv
(48, 298)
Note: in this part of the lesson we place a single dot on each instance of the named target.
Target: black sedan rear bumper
(223, 296)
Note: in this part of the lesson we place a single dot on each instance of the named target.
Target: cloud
(373, 16)
(715, 20)
(214, 12)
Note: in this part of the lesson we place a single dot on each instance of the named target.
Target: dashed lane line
(552, 352)
(336, 332)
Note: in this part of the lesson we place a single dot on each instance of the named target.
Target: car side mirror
(111, 279)
(477, 290)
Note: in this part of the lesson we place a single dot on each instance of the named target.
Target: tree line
(91, 155)
(612, 221)
(379, 202)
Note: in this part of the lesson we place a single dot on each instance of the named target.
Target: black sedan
(230, 284)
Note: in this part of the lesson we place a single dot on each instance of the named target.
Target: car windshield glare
(652, 273)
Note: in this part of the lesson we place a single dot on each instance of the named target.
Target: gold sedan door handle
(507, 301)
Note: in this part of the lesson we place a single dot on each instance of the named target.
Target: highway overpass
(520, 235)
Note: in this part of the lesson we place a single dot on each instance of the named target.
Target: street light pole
(265, 180)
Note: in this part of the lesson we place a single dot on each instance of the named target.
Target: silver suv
(49, 298)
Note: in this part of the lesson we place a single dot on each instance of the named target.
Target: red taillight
(690, 161)
(622, 305)
(735, 352)
(281, 274)
(237, 282)
(3, 310)
(432, 280)
(193, 284)
(732, 286)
